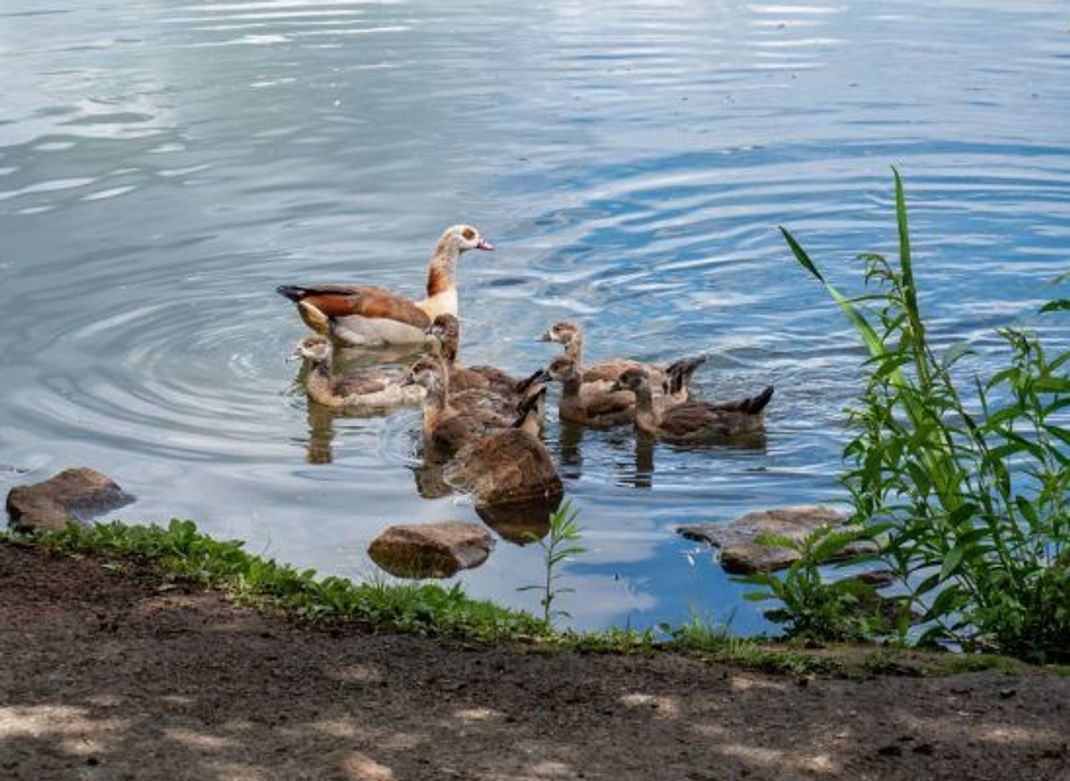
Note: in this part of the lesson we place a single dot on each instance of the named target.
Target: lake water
(163, 165)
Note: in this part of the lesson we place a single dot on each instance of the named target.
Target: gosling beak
(546, 337)
(485, 245)
(617, 387)
(294, 356)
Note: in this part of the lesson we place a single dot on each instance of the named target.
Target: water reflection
(320, 433)
(642, 475)
(570, 455)
(520, 522)
(430, 481)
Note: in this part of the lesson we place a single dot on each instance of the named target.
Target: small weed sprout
(813, 608)
(557, 546)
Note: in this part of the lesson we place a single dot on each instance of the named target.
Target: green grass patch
(181, 553)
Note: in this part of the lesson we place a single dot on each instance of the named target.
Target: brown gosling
(673, 380)
(693, 421)
(356, 390)
(446, 331)
(588, 405)
(507, 466)
(445, 427)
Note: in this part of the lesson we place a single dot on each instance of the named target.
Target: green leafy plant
(813, 607)
(971, 473)
(557, 546)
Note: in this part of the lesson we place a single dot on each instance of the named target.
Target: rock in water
(520, 522)
(431, 550)
(73, 494)
(741, 554)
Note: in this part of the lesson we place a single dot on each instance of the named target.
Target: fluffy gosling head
(426, 372)
(446, 331)
(564, 332)
(315, 349)
(632, 380)
(560, 370)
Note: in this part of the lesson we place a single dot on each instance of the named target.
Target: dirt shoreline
(106, 676)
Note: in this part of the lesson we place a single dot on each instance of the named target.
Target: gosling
(693, 421)
(507, 466)
(446, 331)
(445, 427)
(355, 390)
(673, 380)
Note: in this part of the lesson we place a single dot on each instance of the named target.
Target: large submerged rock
(742, 554)
(73, 494)
(431, 550)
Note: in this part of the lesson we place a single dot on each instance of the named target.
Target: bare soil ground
(106, 676)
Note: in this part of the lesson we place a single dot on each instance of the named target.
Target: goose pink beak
(483, 244)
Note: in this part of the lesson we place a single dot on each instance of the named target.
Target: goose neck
(574, 348)
(570, 385)
(443, 268)
(644, 404)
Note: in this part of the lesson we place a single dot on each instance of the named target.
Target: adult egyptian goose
(507, 466)
(673, 380)
(355, 390)
(365, 316)
(445, 427)
(693, 421)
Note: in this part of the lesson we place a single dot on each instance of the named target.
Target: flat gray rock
(741, 554)
(72, 495)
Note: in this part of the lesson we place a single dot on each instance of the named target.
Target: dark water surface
(163, 165)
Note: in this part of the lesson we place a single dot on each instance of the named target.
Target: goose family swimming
(366, 316)
(480, 422)
(692, 421)
(355, 390)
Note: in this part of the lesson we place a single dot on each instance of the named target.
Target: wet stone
(431, 550)
(72, 495)
(742, 554)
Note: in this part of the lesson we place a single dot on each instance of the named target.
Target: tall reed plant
(971, 474)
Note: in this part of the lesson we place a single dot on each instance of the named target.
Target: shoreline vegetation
(962, 477)
(179, 554)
